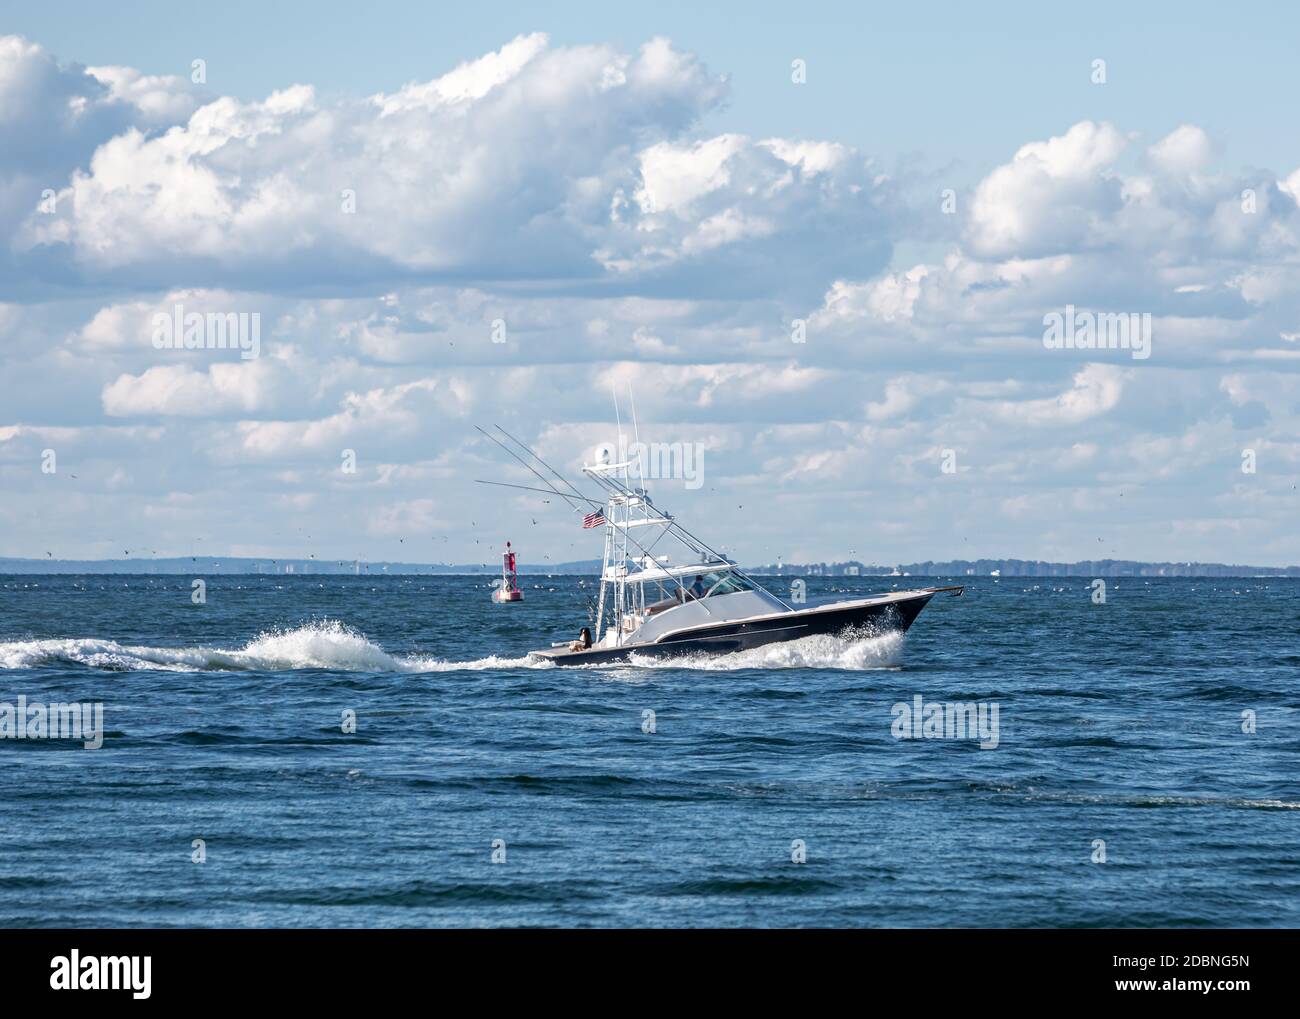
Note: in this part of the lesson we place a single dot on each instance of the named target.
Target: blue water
(1120, 722)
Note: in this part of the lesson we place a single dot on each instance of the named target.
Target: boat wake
(322, 645)
(852, 650)
(336, 646)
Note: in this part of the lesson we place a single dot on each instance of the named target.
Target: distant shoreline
(959, 568)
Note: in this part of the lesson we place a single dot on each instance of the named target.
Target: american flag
(593, 519)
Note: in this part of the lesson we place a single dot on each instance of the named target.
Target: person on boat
(680, 596)
(583, 643)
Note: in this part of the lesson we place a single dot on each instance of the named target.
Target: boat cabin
(660, 600)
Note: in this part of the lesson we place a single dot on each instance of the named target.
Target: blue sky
(837, 289)
(952, 81)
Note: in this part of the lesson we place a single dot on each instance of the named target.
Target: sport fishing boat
(651, 606)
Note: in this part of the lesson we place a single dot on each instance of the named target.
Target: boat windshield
(710, 585)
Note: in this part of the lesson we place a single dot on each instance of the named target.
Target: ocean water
(1120, 722)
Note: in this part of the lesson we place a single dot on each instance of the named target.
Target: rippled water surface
(1120, 722)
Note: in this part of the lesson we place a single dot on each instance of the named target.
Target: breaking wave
(323, 645)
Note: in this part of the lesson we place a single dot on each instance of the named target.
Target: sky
(827, 249)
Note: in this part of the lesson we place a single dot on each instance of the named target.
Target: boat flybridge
(652, 604)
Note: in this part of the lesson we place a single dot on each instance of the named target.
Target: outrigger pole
(605, 483)
(526, 488)
(687, 538)
(522, 445)
(612, 488)
(525, 463)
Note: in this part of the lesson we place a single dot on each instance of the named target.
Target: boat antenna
(636, 435)
(618, 421)
(631, 398)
